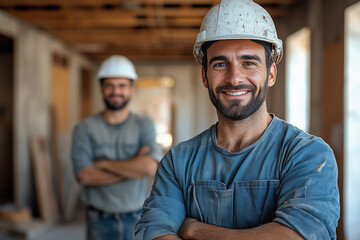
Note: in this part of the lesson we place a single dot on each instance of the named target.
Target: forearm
(96, 177)
(270, 231)
(168, 237)
(137, 167)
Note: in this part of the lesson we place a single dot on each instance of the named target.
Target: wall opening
(153, 97)
(352, 127)
(6, 119)
(298, 79)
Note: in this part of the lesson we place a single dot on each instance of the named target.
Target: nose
(235, 75)
(117, 90)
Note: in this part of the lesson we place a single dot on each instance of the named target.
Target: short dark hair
(267, 47)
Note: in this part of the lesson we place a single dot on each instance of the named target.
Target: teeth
(236, 93)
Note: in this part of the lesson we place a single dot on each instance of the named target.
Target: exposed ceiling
(139, 29)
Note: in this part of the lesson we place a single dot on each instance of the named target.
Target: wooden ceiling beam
(160, 56)
(92, 21)
(277, 12)
(96, 3)
(104, 35)
(140, 29)
(100, 12)
(263, 2)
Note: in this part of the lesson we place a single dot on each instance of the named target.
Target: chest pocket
(255, 202)
(250, 204)
(210, 202)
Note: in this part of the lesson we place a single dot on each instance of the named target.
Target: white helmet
(117, 66)
(238, 19)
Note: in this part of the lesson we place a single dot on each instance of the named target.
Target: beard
(235, 111)
(116, 106)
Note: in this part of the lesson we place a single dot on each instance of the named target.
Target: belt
(116, 215)
(101, 212)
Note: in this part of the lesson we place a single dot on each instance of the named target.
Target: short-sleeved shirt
(286, 176)
(94, 138)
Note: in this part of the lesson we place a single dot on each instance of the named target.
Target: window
(297, 78)
(352, 126)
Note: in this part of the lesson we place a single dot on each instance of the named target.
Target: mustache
(229, 87)
(116, 95)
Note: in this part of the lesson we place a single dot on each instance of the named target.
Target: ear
(272, 75)
(205, 83)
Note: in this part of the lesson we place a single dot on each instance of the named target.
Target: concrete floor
(73, 230)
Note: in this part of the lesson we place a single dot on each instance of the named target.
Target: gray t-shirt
(94, 138)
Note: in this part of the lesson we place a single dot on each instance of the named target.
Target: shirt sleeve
(81, 151)
(309, 195)
(164, 210)
(148, 137)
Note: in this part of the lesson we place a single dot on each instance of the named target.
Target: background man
(251, 175)
(112, 153)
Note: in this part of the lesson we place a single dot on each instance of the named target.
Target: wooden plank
(47, 202)
(56, 162)
(15, 214)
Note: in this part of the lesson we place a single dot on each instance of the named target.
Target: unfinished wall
(32, 83)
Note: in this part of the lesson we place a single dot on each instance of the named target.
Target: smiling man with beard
(113, 152)
(251, 175)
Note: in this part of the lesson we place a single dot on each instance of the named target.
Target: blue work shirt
(286, 176)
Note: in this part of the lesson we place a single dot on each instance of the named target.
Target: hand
(187, 227)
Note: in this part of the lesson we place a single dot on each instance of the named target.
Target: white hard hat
(117, 66)
(238, 19)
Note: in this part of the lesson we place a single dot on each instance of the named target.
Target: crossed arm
(195, 230)
(107, 171)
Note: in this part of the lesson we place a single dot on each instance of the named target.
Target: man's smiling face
(237, 78)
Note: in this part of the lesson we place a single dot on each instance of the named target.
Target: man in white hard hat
(251, 175)
(112, 153)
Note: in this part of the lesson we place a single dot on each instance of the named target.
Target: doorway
(6, 119)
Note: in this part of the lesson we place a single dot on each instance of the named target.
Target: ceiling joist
(139, 29)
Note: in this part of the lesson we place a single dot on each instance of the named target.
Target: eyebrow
(217, 58)
(242, 57)
(250, 57)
